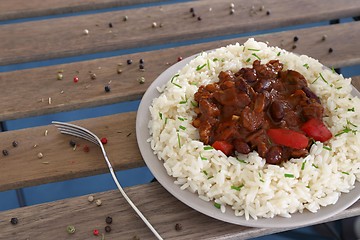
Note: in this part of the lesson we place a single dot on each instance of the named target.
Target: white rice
(251, 187)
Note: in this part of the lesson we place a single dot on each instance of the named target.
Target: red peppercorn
(76, 79)
(96, 232)
(86, 148)
(104, 140)
(179, 59)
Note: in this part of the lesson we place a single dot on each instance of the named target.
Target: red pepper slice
(288, 138)
(223, 146)
(317, 130)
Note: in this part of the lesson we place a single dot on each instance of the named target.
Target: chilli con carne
(262, 108)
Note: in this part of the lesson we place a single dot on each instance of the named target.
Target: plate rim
(192, 200)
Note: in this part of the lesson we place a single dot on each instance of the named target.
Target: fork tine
(77, 133)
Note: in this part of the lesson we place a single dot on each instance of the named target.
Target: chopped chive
(198, 68)
(215, 59)
(203, 158)
(278, 54)
(208, 63)
(182, 119)
(182, 127)
(308, 186)
(193, 83)
(177, 85)
(254, 54)
(315, 79)
(253, 49)
(178, 137)
(327, 148)
(217, 205)
(346, 130)
(288, 175)
(248, 60)
(303, 165)
(333, 69)
(351, 109)
(175, 76)
(322, 77)
(223, 60)
(183, 102)
(195, 104)
(350, 123)
(205, 172)
(237, 188)
(210, 177)
(166, 119)
(208, 148)
(315, 166)
(241, 160)
(306, 66)
(339, 87)
(160, 115)
(345, 173)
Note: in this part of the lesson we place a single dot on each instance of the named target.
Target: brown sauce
(243, 105)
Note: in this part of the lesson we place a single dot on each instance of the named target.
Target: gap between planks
(49, 220)
(64, 37)
(35, 86)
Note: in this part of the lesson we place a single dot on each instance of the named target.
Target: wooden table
(37, 91)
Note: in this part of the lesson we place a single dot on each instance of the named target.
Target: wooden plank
(63, 37)
(60, 162)
(14, 9)
(49, 220)
(34, 87)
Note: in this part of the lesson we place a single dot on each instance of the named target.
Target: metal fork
(77, 131)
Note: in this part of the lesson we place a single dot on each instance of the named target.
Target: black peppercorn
(108, 220)
(331, 50)
(141, 61)
(14, 221)
(296, 38)
(191, 9)
(293, 46)
(5, 152)
(199, 18)
(72, 143)
(193, 15)
(268, 12)
(141, 66)
(107, 88)
(107, 229)
(129, 61)
(15, 143)
(178, 227)
(110, 25)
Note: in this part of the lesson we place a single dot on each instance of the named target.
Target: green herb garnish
(306, 66)
(303, 165)
(160, 115)
(208, 148)
(345, 173)
(208, 64)
(322, 77)
(195, 104)
(205, 172)
(288, 175)
(278, 54)
(248, 60)
(327, 148)
(182, 127)
(217, 205)
(237, 188)
(241, 160)
(315, 166)
(178, 137)
(254, 54)
(198, 68)
(253, 49)
(177, 85)
(182, 119)
(351, 109)
(175, 76)
(202, 158)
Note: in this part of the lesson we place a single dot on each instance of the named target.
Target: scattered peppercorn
(93, 76)
(59, 76)
(268, 12)
(293, 46)
(141, 66)
(86, 148)
(72, 143)
(232, 11)
(40, 155)
(119, 71)
(91, 198)
(129, 61)
(154, 25)
(15, 143)
(96, 232)
(179, 59)
(194, 14)
(199, 18)
(324, 37)
(70, 229)
(125, 18)
(108, 220)
(331, 50)
(191, 10)
(296, 38)
(107, 229)
(141, 80)
(104, 140)
(178, 227)
(107, 88)
(110, 25)
(141, 61)
(5, 152)
(262, 8)
(76, 79)
(14, 221)
(98, 202)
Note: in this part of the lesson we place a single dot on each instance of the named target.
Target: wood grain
(24, 168)
(44, 221)
(63, 37)
(34, 87)
(15, 9)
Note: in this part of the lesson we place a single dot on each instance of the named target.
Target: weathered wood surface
(15, 9)
(44, 221)
(62, 37)
(34, 87)
(24, 168)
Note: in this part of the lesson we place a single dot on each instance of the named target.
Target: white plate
(192, 200)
